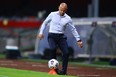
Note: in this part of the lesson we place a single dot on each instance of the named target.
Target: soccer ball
(53, 63)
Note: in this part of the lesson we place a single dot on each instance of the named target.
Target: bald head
(63, 8)
(64, 5)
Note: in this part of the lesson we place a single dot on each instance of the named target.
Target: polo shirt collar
(63, 15)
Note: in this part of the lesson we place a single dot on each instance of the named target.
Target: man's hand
(40, 36)
(80, 43)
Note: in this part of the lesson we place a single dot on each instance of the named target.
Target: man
(58, 22)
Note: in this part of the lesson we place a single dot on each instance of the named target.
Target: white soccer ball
(53, 63)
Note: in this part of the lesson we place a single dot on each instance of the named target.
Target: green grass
(9, 72)
(2, 55)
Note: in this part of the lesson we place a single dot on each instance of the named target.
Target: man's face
(62, 9)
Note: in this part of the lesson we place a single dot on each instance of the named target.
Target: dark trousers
(59, 40)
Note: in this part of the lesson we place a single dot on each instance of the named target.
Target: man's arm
(46, 21)
(75, 34)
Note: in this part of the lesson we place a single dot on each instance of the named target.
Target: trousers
(59, 40)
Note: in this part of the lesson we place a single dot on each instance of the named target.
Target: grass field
(9, 72)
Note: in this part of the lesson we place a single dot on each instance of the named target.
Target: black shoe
(60, 72)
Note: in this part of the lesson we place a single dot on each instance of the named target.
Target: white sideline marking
(3, 64)
(13, 64)
(34, 65)
(6, 61)
(89, 75)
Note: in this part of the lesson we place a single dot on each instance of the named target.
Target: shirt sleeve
(73, 30)
(45, 22)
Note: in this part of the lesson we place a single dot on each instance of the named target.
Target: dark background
(77, 8)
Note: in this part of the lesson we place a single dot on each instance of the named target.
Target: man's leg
(52, 45)
(65, 54)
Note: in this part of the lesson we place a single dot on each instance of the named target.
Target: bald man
(58, 22)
